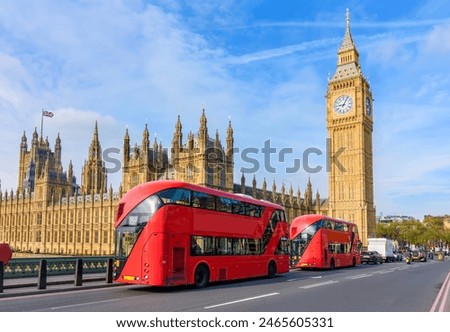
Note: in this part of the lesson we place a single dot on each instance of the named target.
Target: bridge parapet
(29, 267)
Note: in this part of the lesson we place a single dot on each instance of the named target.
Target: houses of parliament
(50, 213)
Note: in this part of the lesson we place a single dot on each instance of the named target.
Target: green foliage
(430, 234)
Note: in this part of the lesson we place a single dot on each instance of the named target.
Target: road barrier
(42, 268)
(29, 267)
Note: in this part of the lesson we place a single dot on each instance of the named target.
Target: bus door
(325, 256)
(294, 252)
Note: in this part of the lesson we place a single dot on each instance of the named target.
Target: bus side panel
(341, 259)
(312, 257)
(177, 219)
(222, 223)
(154, 260)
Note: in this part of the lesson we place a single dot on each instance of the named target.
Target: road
(392, 287)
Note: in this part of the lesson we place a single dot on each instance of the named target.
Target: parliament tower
(350, 126)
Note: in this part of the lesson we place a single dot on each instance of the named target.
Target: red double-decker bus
(322, 242)
(171, 233)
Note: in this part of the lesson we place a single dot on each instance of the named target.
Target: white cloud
(438, 41)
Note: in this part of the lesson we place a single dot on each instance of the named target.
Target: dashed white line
(82, 304)
(358, 276)
(319, 284)
(242, 300)
(295, 279)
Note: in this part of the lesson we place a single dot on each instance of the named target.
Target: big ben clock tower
(350, 125)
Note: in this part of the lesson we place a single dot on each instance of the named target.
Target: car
(371, 257)
(398, 256)
(419, 255)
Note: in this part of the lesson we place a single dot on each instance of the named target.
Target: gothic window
(189, 171)
(134, 179)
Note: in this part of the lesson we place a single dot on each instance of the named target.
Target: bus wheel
(201, 276)
(272, 270)
(354, 262)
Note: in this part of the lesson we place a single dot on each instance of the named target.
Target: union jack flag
(47, 113)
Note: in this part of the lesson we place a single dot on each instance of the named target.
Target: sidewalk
(61, 283)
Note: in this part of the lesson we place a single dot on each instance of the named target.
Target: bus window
(178, 196)
(238, 208)
(254, 246)
(326, 224)
(240, 246)
(203, 200)
(223, 246)
(202, 245)
(331, 224)
(253, 210)
(142, 213)
(282, 248)
(224, 204)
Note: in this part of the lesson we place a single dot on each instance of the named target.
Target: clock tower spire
(350, 127)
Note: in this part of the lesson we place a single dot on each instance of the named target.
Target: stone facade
(350, 125)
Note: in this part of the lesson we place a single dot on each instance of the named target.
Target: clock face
(368, 106)
(343, 104)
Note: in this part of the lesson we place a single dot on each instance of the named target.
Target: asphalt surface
(393, 287)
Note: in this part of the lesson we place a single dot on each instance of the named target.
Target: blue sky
(264, 64)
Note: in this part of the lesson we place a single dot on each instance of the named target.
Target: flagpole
(42, 120)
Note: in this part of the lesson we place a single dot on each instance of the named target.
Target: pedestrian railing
(29, 267)
(42, 268)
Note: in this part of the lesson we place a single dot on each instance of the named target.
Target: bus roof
(303, 221)
(149, 188)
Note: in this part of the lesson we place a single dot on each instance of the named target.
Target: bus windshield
(132, 225)
(301, 241)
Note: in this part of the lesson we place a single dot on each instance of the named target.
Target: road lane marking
(242, 300)
(441, 295)
(319, 284)
(82, 304)
(358, 276)
(295, 279)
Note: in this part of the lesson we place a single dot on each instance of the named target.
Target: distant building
(390, 218)
(445, 219)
